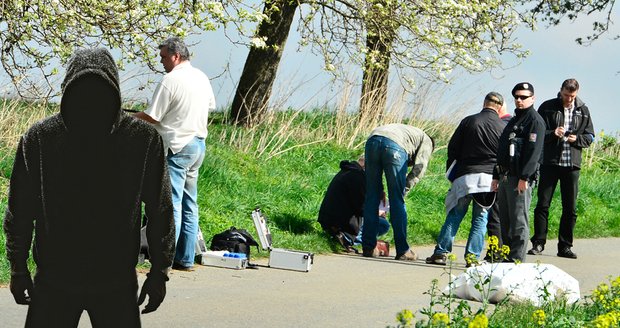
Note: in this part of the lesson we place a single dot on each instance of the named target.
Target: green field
(284, 166)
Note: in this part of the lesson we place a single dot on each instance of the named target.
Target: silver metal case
(280, 258)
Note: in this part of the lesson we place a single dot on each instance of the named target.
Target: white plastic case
(219, 259)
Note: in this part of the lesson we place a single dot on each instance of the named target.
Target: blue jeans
(475, 241)
(385, 156)
(183, 169)
(384, 227)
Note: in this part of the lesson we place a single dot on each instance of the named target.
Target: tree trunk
(381, 31)
(375, 79)
(254, 89)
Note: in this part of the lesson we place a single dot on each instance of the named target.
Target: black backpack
(233, 240)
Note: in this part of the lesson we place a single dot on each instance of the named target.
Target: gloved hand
(155, 287)
(21, 287)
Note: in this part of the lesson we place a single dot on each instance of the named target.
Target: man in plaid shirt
(568, 130)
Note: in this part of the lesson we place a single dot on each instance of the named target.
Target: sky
(555, 56)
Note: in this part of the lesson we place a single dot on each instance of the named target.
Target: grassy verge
(284, 166)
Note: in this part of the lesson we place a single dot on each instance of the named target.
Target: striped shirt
(565, 159)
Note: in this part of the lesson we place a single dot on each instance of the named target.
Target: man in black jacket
(474, 148)
(79, 180)
(341, 212)
(518, 156)
(568, 130)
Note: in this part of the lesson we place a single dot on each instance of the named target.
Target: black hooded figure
(79, 181)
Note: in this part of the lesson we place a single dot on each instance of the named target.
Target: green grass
(285, 165)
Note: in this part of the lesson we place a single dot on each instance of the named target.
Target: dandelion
(451, 257)
(439, 318)
(539, 317)
(480, 321)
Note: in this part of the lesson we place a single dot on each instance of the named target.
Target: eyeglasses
(522, 97)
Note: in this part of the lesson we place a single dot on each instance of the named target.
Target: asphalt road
(339, 291)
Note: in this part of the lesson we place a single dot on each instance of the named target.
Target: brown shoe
(409, 255)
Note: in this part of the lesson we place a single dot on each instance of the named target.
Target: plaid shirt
(568, 119)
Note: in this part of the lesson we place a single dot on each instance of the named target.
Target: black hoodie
(80, 178)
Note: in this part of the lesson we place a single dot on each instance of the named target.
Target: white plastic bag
(519, 282)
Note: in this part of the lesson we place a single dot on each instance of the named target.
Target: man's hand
(522, 186)
(559, 131)
(571, 138)
(494, 185)
(155, 287)
(21, 288)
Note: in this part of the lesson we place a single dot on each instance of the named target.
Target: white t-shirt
(181, 104)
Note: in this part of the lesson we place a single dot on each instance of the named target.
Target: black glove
(21, 287)
(155, 287)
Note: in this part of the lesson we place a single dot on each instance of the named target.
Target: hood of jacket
(91, 98)
(350, 166)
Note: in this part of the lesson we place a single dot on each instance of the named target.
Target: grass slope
(285, 165)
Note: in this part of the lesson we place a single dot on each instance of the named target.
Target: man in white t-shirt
(179, 111)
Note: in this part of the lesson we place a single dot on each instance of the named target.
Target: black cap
(523, 86)
(494, 97)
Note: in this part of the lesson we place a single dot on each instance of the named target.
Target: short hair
(175, 45)
(570, 85)
(494, 98)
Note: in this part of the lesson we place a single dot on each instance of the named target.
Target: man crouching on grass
(79, 180)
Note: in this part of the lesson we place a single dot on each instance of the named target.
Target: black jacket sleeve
(532, 147)
(20, 214)
(455, 145)
(585, 138)
(156, 195)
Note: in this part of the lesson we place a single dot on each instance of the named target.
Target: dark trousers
(514, 212)
(569, 185)
(60, 307)
(493, 224)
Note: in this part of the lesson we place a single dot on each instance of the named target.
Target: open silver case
(280, 258)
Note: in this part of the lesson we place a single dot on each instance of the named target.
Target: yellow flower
(611, 319)
(616, 282)
(480, 321)
(451, 257)
(505, 250)
(405, 317)
(493, 242)
(539, 317)
(440, 317)
(471, 259)
(604, 288)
